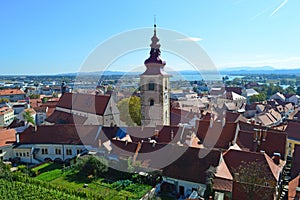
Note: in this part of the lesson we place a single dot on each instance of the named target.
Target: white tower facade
(155, 88)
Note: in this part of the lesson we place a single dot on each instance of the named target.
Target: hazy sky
(41, 37)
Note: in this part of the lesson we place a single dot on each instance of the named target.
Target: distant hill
(244, 70)
(258, 70)
(249, 68)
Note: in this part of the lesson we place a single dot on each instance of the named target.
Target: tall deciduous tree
(255, 180)
(130, 110)
(290, 90)
(92, 165)
(4, 100)
(257, 98)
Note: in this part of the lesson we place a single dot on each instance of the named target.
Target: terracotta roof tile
(236, 158)
(84, 102)
(11, 92)
(275, 141)
(59, 117)
(217, 134)
(237, 90)
(67, 134)
(190, 167)
(222, 184)
(292, 130)
(293, 184)
(296, 162)
(7, 137)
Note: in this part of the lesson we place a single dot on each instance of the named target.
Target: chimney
(156, 133)
(276, 158)
(17, 137)
(153, 144)
(264, 135)
(172, 135)
(223, 121)
(255, 136)
(260, 135)
(211, 122)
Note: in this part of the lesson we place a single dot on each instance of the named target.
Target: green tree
(130, 110)
(210, 172)
(298, 90)
(91, 165)
(34, 96)
(253, 177)
(54, 95)
(44, 100)
(257, 98)
(236, 81)
(4, 171)
(28, 117)
(290, 90)
(4, 100)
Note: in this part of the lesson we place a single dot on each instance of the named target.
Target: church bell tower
(155, 88)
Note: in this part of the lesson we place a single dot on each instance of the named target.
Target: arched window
(151, 102)
(151, 86)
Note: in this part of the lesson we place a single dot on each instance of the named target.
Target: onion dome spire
(155, 51)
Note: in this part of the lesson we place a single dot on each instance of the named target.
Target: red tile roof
(180, 116)
(296, 162)
(216, 136)
(35, 102)
(11, 92)
(190, 167)
(237, 90)
(233, 117)
(84, 102)
(275, 141)
(7, 137)
(236, 158)
(293, 130)
(239, 193)
(59, 117)
(222, 184)
(293, 184)
(67, 134)
(51, 107)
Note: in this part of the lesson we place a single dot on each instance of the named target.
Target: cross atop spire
(154, 39)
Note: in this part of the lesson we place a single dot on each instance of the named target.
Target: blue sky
(42, 37)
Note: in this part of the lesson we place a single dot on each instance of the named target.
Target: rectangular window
(1, 151)
(27, 154)
(79, 151)
(58, 151)
(290, 145)
(17, 154)
(69, 151)
(44, 151)
(151, 86)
